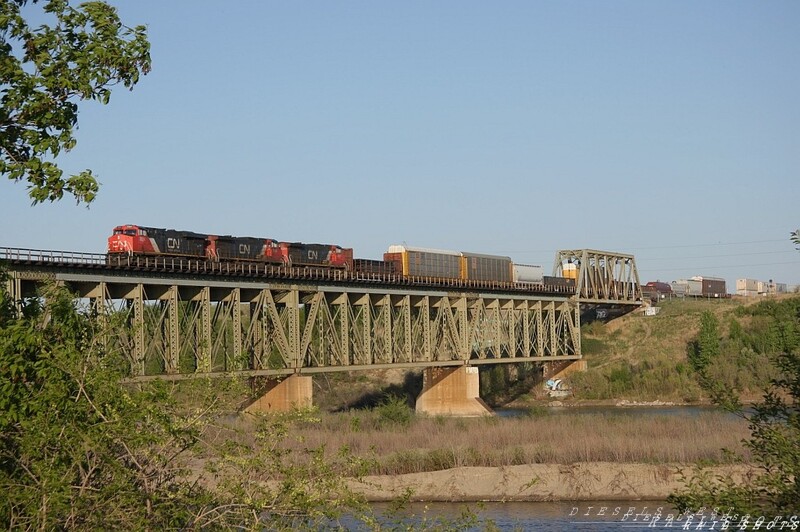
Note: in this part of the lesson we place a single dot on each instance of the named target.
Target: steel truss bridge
(181, 318)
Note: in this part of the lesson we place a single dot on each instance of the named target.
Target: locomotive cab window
(130, 232)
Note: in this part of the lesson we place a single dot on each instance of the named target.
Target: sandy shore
(539, 482)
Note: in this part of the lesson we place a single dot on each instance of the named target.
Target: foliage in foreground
(81, 449)
(79, 54)
(774, 443)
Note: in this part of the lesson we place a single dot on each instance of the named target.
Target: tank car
(528, 273)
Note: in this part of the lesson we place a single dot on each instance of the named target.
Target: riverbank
(588, 481)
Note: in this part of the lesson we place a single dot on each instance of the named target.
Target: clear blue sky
(670, 130)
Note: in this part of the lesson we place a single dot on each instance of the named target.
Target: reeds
(429, 444)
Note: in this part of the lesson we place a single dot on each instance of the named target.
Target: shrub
(394, 410)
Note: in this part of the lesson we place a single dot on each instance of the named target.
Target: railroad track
(72, 260)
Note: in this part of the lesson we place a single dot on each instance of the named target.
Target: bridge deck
(181, 318)
(62, 261)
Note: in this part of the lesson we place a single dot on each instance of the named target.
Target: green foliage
(536, 411)
(646, 381)
(594, 328)
(772, 339)
(394, 410)
(44, 71)
(79, 449)
(705, 349)
(594, 346)
(264, 477)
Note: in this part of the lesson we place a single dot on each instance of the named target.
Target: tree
(79, 449)
(705, 348)
(44, 72)
(774, 422)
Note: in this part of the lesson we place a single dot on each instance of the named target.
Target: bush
(771, 340)
(79, 449)
(394, 410)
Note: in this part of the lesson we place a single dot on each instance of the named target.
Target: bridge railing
(51, 256)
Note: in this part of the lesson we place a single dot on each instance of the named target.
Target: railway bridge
(183, 318)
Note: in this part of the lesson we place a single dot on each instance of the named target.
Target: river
(600, 516)
(632, 410)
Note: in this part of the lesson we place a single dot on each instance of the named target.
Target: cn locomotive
(137, 240)
(140, 240)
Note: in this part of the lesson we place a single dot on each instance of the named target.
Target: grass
(644, 358)
(434, 443)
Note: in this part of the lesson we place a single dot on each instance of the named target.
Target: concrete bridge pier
(451, 391)
(295, 391)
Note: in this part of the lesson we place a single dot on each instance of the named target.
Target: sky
(669, 130)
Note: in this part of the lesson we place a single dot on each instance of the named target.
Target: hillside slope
(644, 358)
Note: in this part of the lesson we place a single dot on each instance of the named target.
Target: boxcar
(422, 262)
(478, 267)
(714, 287)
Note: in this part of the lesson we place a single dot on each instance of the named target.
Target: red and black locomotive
(139, 240)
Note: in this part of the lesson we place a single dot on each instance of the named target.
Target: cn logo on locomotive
(173, 243)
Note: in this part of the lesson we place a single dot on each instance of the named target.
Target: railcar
(445, 264)
(528, 273)
(375, 267)
(140, 240)
(300, 254)
(478, 267)
(560, 282)
(241, 248)
(423, 262)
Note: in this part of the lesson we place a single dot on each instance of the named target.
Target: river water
(633, 410)
(601, 516)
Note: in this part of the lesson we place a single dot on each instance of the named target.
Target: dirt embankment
(541, 482)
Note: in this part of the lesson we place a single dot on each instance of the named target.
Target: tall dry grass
(428, 444)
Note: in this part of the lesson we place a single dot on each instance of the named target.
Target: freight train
(136, 240)
(139, 240)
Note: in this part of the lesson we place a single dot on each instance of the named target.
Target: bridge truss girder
(601, 276)
(181, 330)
